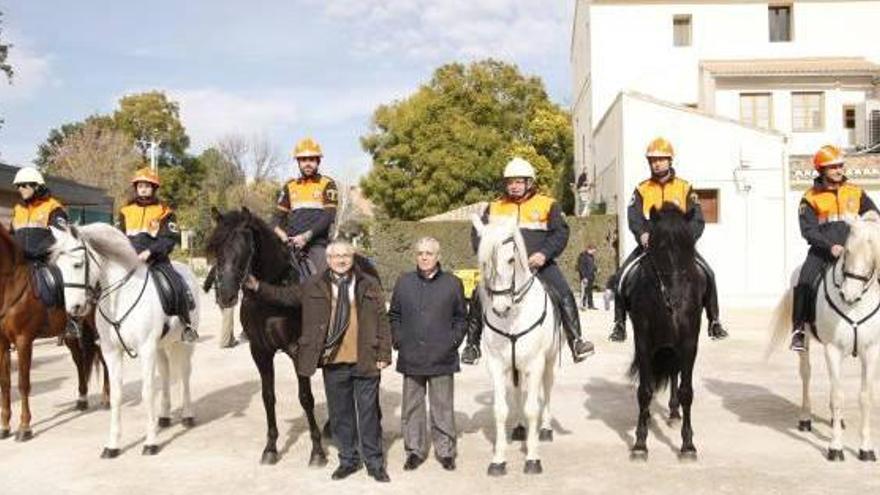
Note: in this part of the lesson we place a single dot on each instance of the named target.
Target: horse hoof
(639, 454)
(546, 435)
(23, 435)
(188, 422)
(164, 422)
(150, 450)
(835, 455)
(518, 433)
(805, 425)
(270, 457)
(109, 453)
(867, 456)
(688, 454)
(533, 467)
(4, 434)
(318, 459)
(82, 405)
(497, 469)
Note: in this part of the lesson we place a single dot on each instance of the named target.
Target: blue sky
(283, 69)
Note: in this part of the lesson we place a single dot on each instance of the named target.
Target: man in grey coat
(428, 324)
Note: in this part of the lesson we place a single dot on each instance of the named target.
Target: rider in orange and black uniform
(822, 215)
(152, 228)
(306, 207)
(663, 187)
(545, 234)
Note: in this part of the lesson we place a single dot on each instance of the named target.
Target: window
(780, 22)
(849, 117)
(681, 30)
(756, 109)
(807, 112)
(709, 204)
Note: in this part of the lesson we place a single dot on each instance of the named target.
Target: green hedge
(390, 245)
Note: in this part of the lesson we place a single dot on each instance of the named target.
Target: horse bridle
(516, 294)
(866, 281)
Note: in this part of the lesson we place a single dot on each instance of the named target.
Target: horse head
(503, 263)
(671, 238)
(859, 262)
(233, 248)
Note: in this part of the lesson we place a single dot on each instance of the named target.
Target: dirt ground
(745, 417)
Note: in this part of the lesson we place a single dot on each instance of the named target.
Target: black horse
(665, 300)
(242, 244)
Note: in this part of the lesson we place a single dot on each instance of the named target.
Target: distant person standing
(587, 272)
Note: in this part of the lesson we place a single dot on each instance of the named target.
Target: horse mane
(110, 243)
(271, 252)
(671, 233)
(492, 236)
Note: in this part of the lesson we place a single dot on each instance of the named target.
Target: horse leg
(805, 423)
(266, 367)
(674, 401)
(82, 373)
(518, 434)
(164, 378)
(181, 357)
(532, 412)
(645, 394)
(833, 358)
(105, 391)
(498, 467)
(113, 363)
(866, 401)
(686, 393)
(318, 457)
(148, 393)
(24, 348)
(546, 433)
(5, 388)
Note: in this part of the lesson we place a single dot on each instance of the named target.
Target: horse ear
(871, 216)
(479, 226)
(216, 215)
(247, 212)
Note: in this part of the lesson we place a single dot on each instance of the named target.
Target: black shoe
(189, 335)
(344, 471)
(716, 331)
(470, 354)
(618, 333)
(582, 349)
(412, 462)
(798, 340)
(379, 474)
(448, 463)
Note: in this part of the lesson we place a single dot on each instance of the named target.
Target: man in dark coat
(587, 274)
(427, 325)
(345, 333)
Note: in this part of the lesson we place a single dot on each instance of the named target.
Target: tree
(151, 115)
(446, 145)
(5, 68)
(57, 137)
(253, 157)
(95, 155)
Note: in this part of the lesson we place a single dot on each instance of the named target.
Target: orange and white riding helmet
(660, 147)
(307, 148)
(826, 156)
(147, 175)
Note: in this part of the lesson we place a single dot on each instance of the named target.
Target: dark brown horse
(24, 318)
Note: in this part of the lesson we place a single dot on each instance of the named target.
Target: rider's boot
(802, 295)
(471, 352)
(618, 331)
(571, 323)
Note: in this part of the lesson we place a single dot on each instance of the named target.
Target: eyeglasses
(340, 256)
(26, 185)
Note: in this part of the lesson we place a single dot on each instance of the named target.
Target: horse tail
(664, 366)
(780, 323)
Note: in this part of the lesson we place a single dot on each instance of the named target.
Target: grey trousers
(227, 326)
(414, 419)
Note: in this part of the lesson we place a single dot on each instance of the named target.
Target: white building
(745, 90)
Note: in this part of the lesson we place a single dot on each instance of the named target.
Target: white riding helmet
(519, 168)
(27, 175)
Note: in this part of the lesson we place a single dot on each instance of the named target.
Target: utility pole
(154, 152)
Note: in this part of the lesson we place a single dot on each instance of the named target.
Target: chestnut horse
(24, 318)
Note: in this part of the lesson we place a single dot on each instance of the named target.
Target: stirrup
(581, 349)
(716, 331)
(618, 333)
(798, 341)
(189, 335)
(72, 330)
(471, 354)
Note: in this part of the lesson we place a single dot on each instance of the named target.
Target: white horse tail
(780, 323)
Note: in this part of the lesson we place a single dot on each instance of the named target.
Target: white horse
(521, 340)
(100, 267)
(847, 323)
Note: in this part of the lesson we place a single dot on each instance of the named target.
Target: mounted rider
(151, 226)
(662, 187)
(545, 234)
(32, 216)
(306, 207)
(822, 215)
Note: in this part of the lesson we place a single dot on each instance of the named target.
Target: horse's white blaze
(535, 351)
(140, 331)
(857, 298)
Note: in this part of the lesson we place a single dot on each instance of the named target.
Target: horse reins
(837, 285)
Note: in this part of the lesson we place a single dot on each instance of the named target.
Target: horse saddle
(173, 292)
(48, 283)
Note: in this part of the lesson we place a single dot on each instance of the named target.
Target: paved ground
(744, 417)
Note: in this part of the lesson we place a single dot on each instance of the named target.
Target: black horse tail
(664, 366)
